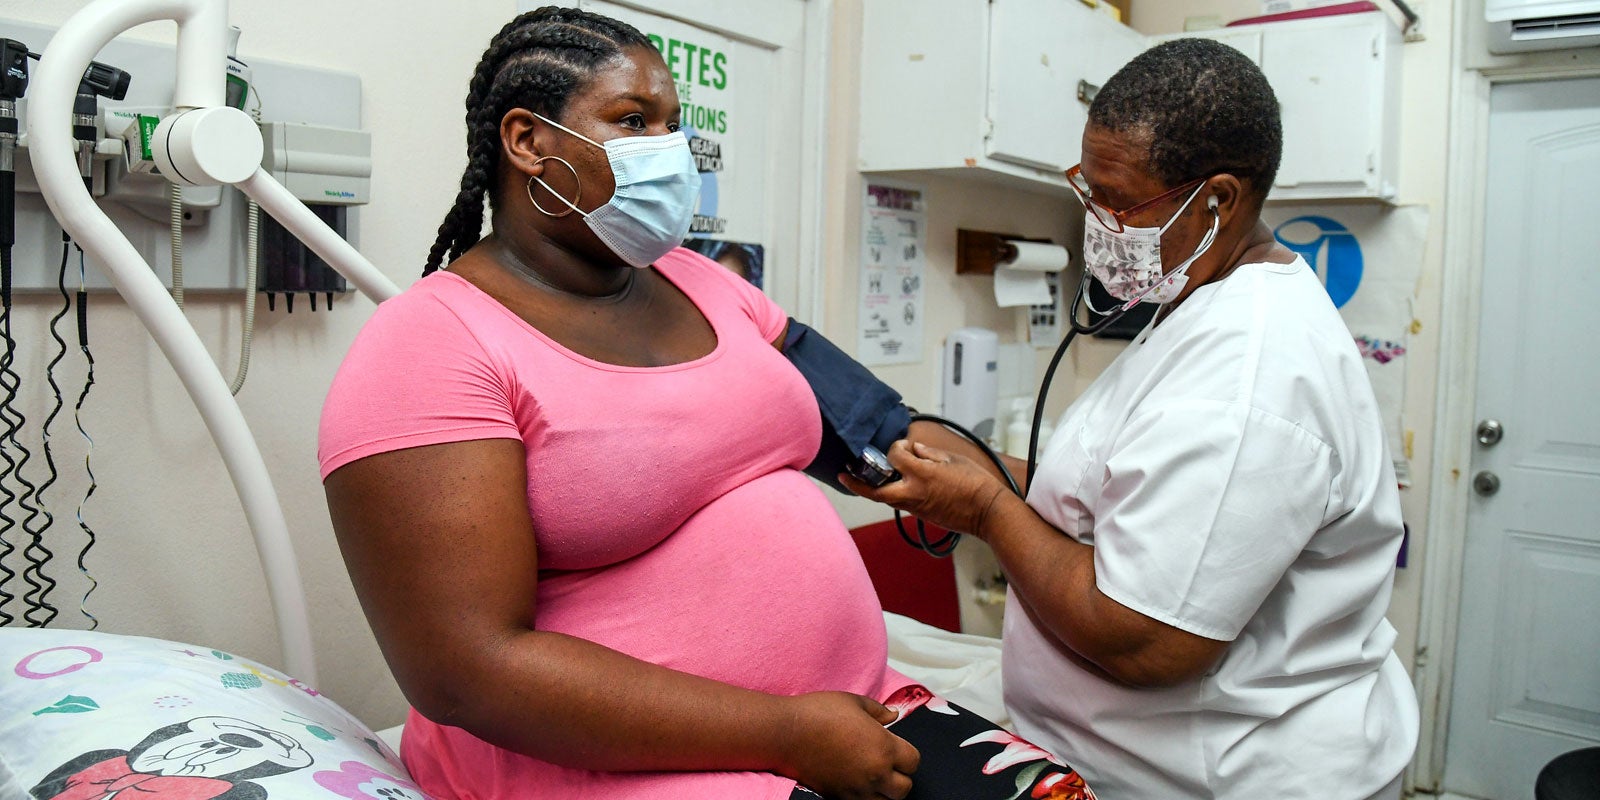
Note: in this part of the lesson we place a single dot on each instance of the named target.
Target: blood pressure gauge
(873, 469)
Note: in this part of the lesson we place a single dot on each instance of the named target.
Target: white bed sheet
(960, 667)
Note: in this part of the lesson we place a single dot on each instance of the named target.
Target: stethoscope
(945, 545)
(1105, 321)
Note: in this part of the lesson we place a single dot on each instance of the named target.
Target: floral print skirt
(967, 757)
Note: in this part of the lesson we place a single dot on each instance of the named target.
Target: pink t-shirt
(673, 522)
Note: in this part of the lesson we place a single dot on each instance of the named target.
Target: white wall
(174, 557)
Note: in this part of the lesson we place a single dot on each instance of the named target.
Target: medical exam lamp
(202, 143)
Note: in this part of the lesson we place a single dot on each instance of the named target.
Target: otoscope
(13, 83)
(99, 80)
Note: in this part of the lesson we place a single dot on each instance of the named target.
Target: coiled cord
(7, 497)
(43, 553)
(77, 419)
(34, 552)
(175, 234)
(252, 262)
(55, 391)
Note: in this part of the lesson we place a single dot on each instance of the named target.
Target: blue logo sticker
(1330, 248)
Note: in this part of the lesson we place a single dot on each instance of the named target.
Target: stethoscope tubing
(1075, 328)
(1104, 322)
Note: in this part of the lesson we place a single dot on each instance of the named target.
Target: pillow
(90, 714)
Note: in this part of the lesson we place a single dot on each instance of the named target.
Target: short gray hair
(1205, 109)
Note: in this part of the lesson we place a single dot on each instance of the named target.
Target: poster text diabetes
(693, 65)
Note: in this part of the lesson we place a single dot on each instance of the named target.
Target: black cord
(35, 601)
(946, 544)
(1075, 328)
(77, 418)
(1038, 406)
(13, 84)
(60, 402)
(6, 522)
(34, 552)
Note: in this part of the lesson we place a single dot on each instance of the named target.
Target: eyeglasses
(1111, 218)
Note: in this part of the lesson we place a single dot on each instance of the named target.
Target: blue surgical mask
(658, 189)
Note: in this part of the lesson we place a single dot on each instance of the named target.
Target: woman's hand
(946, 489)
(840, 748)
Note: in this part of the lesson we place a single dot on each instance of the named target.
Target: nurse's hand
(943, 488)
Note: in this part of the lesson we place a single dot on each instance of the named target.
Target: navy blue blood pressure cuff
(857, 408)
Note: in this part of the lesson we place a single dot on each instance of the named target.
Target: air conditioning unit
(1519, 25)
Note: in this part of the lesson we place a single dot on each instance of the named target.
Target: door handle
(1485, 483)
(1490, 432)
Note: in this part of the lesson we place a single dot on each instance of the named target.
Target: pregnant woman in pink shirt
(564, 472)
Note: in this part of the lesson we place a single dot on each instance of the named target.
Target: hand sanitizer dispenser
(971, 379)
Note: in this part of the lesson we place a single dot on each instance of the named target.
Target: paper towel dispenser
(1019, 265)
(972, 379)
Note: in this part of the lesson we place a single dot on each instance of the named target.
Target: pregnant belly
(762, 588)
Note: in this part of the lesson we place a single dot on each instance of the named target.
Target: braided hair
(1205, 107)
(537, 61)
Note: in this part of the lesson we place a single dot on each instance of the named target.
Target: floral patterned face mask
(1128, 262)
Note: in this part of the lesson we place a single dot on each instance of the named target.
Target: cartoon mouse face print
(358, 781)
(218, 747)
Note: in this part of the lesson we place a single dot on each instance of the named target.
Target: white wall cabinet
(986, 89)
(1338, 83)
(989, 90)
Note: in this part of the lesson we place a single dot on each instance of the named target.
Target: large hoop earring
(572, 205)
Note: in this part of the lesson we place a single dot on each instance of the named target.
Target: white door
(1527, 668)
(752, 103)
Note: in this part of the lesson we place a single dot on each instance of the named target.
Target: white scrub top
(1230, 470)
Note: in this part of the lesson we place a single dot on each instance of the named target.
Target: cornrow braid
(537, 61)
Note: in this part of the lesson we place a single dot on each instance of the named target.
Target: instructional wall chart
(893, 258)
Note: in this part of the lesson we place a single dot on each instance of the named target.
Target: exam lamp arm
(199, 85)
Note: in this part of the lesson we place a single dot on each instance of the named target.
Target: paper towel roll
(1021, 282)
(1038, 257)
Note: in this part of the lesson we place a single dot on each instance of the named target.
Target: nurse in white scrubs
(1202, 566)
